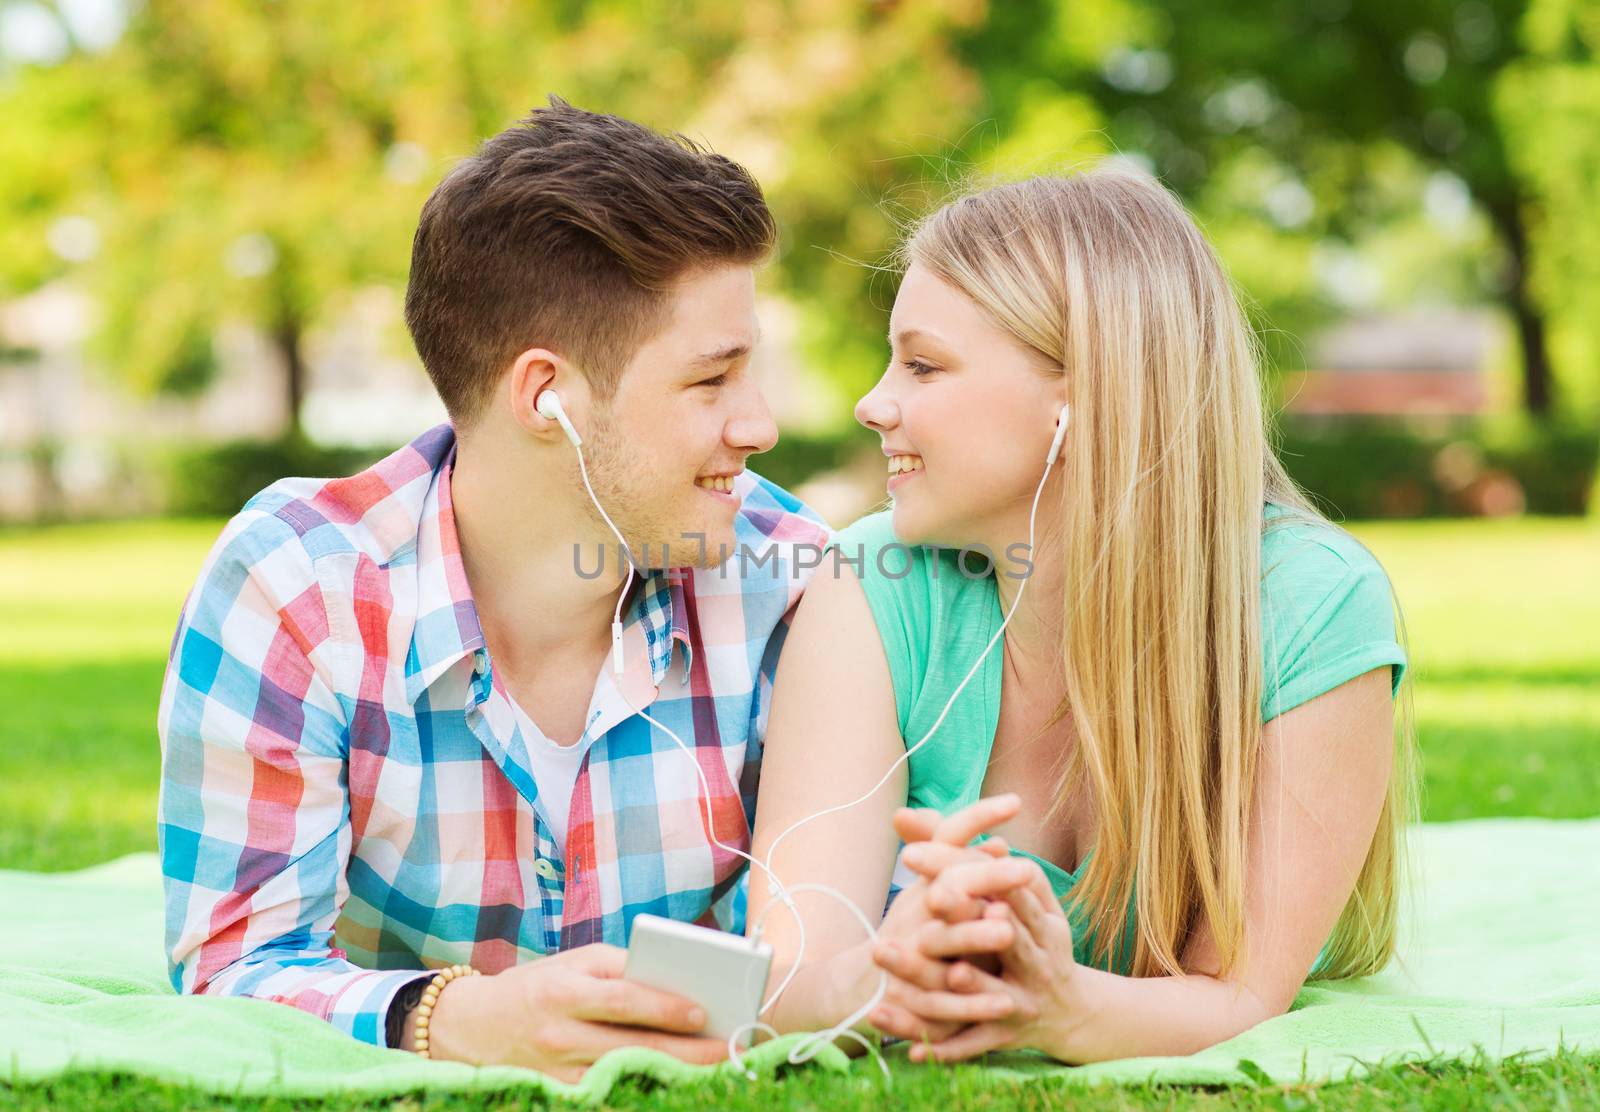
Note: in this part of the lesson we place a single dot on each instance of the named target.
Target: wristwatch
(404, 1000)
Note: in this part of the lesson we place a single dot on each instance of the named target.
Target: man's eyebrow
(737, 350)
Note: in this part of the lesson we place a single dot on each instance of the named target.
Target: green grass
(1565, 1081)
(86, 616)
(1502, 618)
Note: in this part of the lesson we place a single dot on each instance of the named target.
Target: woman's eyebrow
(912, 335)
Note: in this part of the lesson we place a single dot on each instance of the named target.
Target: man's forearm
(353, 999)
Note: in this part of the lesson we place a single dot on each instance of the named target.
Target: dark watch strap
(404, 1000)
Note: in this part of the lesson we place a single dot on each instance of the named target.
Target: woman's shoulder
(941, 576)
(1327, 609)
(918, 593)
(1303, 554)
(874, 529)
(869, 547)
(900, 592)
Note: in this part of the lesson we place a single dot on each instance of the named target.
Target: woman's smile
(902, 467)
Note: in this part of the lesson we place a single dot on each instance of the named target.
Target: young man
(392, 738)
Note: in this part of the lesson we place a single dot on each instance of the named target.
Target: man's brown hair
(566, 231)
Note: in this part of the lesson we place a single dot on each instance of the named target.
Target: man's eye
(718, 381)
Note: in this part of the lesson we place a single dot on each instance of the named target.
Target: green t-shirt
(1326, 618)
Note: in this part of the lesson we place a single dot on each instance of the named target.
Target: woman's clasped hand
(981, 925)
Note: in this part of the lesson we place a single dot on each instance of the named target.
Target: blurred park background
(206, 212)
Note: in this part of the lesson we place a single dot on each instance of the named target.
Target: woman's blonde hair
(1165, 477)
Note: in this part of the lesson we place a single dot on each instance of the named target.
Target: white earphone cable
(870, 792)
(906, 756)
(775, 886)
(807, 1048)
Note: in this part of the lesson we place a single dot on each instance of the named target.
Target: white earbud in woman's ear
(1061, 434)
(549, 407)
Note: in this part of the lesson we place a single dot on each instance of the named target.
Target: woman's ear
(1063, 419)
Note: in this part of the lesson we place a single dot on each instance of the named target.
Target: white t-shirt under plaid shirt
(555, 771)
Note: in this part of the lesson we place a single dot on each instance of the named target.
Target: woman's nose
(876, 411)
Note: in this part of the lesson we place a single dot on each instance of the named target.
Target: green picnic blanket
(1501, 955)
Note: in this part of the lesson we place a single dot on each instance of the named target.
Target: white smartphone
(724, 973)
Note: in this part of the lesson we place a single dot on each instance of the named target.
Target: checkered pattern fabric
(346, 797)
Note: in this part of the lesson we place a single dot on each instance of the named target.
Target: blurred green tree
(1318, 92)
(255, 162)
(237, 161)
(1549, 101)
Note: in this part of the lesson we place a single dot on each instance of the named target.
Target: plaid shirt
(346, 797)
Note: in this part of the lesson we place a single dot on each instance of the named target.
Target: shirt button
(544, 868)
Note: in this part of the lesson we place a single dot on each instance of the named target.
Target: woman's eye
(718, 381)
(918, 368)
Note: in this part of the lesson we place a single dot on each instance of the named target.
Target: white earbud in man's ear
(549, 407)
(1061, 434)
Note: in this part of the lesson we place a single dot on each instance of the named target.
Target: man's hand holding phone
(560, 1013)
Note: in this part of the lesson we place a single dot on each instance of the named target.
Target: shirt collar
(663, 597)
(654, 620)
(447, 627)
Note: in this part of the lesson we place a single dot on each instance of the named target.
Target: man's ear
(533, 372)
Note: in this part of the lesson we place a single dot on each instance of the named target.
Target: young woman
(1184, 739)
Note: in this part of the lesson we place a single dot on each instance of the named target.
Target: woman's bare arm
(1324, 770)
(833, 733)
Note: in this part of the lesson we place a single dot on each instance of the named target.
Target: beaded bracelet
(430, 999)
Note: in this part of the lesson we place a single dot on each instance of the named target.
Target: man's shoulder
(295, 553)
(769, 515)
(778, 539)
(778, 542)
(375, 513)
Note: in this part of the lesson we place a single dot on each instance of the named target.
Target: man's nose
(752, 430)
